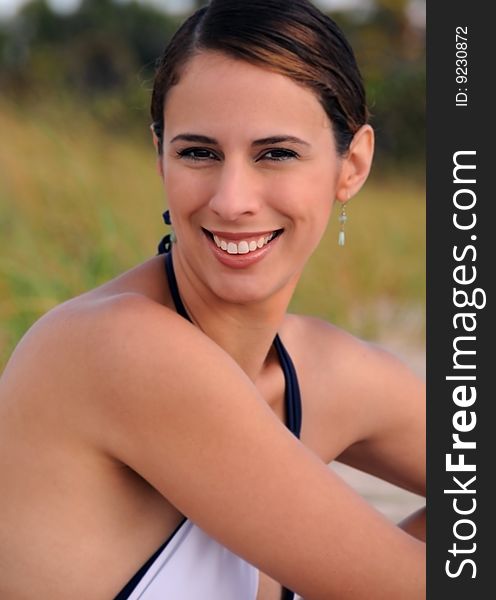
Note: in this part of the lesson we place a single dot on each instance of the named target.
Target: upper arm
(178, 410)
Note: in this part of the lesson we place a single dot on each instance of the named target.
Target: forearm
(415, 524)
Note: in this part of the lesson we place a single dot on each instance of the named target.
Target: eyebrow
(273, 139)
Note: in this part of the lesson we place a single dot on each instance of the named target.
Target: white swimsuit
(194, 566)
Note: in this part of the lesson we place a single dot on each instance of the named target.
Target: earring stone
(343, 217)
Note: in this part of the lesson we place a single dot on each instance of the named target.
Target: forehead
(218, 94)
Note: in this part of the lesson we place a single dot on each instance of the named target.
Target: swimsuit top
(191, 565)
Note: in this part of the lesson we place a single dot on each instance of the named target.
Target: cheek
(184, 193)
(311, 211)
(311, 201)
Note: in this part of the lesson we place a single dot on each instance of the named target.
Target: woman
(154, 441)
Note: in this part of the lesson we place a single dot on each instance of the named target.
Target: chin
(244, 289)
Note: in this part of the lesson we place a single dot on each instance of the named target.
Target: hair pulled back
(292, 38)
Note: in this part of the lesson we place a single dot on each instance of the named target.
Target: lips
(241, 243)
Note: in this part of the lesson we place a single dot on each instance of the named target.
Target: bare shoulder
(371, 404)
(61, 341)
(69, 354)
(327, 345)
(344, 358)
(97, 328)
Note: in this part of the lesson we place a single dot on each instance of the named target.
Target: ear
(356, 164)
(156, 143)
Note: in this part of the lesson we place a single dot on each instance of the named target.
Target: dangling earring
(342, 222)
(166, 243)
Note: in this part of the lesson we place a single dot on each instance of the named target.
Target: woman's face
(250, 172)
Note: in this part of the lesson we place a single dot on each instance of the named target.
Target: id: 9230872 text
(461, 45)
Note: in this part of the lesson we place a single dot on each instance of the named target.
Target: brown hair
(290, 37)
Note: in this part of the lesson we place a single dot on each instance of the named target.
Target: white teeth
(243, 247)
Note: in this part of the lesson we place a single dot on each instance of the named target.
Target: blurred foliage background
(80, 200)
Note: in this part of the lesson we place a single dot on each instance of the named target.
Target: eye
(279, 154)
(197, 154)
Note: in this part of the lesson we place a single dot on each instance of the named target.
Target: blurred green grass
(80, 204)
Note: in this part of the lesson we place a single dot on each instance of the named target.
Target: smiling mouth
(252, 243)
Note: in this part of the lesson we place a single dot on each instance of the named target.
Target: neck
(245, 331)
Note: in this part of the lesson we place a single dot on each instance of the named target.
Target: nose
(237, 192)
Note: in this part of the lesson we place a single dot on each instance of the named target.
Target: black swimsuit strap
(174, 290)
(292, 398)
(128, 589)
